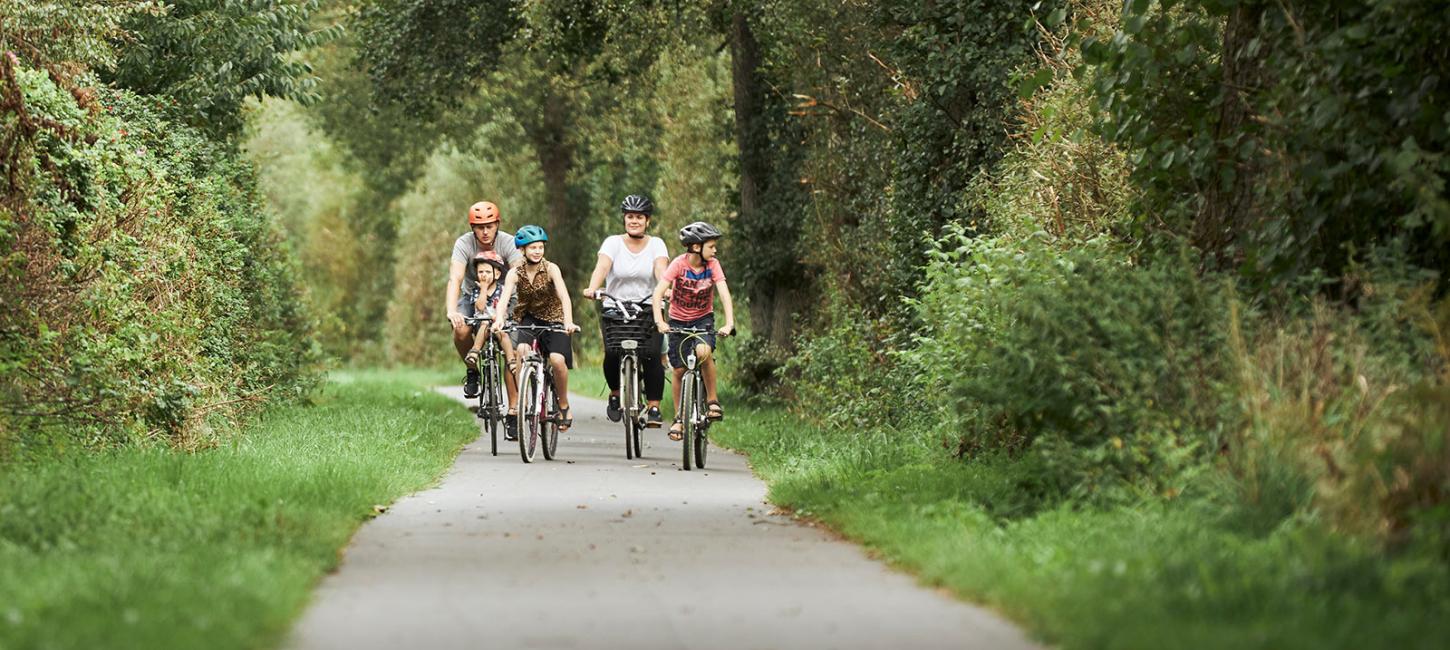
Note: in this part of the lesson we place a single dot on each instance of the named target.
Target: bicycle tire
(639, 419)
(528, 422)
(687, 396)
(700, 438)
(488, 408)
(549, 418)
(626, 402)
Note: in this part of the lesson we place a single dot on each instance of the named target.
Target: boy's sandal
(677, 430)
(471, 359)
(713, 411)
(565, 422)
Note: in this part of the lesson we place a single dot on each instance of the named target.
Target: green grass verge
(154, 548)
(1180, 574)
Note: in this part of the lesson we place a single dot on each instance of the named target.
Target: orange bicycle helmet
(483, 212)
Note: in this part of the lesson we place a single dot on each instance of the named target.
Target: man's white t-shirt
(632, 275)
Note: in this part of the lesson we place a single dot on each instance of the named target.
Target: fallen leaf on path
(628, 513)
(379, 509)
(582, 507)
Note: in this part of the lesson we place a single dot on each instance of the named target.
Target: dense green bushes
(146, 291)
(1076, 323)
(1105, 368)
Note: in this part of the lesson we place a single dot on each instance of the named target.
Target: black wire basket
(617, 331)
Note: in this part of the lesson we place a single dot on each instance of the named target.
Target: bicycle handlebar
(536, 328)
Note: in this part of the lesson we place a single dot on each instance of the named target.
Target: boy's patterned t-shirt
(692, 295)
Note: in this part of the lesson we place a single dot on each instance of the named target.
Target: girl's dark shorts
(676, 340)
(551, 342)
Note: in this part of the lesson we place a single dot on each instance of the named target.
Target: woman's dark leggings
(654, 374)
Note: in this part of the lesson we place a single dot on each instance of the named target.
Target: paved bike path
(594, 551)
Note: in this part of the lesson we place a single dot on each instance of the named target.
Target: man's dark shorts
(676, 340)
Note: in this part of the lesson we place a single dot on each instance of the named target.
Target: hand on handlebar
(571, 328)
(497, 326)
(456, 318)
(592, 294)
(727, 331)
(662, 326)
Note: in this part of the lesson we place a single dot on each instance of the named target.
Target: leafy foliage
(146, 290)
(1282, 138)
(1106, 369)
(208, 56)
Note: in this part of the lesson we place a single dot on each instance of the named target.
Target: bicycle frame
(491, 403)
(631, 389)
(692, 400)
(538, 420)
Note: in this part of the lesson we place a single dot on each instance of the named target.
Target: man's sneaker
(613, 411)
(652, 418)
(470, 383)
(511, 428)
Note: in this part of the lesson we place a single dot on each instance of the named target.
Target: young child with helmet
(542, 300)
(488, 272)
(692, 280)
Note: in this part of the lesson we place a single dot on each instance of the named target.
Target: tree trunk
(549, 135)
(1228, 209)
(771, 306)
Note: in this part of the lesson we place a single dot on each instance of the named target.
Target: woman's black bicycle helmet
(637, 203)
(699, 233)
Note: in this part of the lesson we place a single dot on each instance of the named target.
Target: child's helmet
(699, 233)
(528, 235)
(637, 203)
(483, 212)
(489, 257)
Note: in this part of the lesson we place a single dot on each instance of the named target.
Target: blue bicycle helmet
(528, 235)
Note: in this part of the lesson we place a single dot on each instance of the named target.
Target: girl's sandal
(677, 430)
(713, 411)
(565, 422)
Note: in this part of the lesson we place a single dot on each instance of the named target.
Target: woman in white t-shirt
(629, 265)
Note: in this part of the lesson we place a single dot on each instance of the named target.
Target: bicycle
(538, 401)
(491, 405)
(625, 334)
(692, 399)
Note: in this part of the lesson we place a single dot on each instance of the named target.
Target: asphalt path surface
(595, 551)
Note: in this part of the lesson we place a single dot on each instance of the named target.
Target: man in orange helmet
(484, 219)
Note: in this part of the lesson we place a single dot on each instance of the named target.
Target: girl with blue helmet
(542, 301)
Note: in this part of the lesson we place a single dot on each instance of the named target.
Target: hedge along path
(593, 550)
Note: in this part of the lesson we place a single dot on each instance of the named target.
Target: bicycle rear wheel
(528, 413)
(687, 413)
(639, 419)
(549, 418)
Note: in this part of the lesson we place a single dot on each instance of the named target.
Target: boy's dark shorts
(676, 340)
(550, 342)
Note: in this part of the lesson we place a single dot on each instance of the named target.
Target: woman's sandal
(565, 422)
(713, 411)
(677, 430)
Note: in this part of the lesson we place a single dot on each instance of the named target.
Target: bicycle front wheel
(626, 402)
(687, 413)
(528, 413)
(488, 406)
